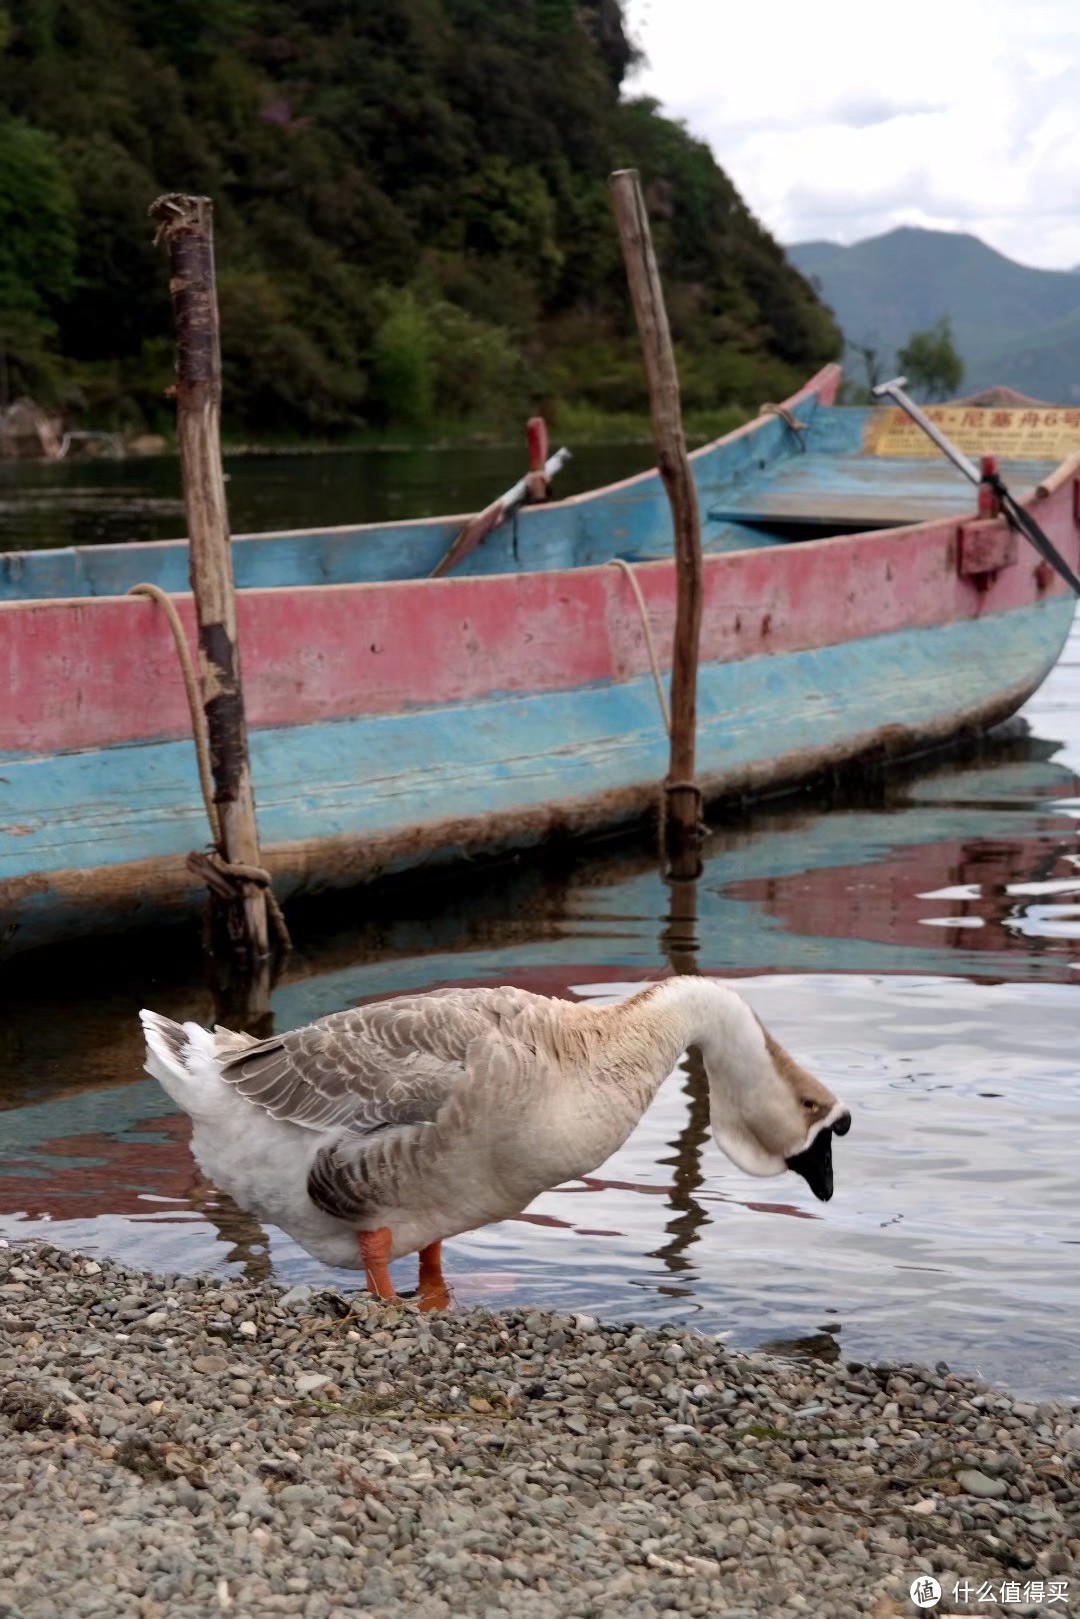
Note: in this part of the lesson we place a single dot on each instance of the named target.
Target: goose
(385, 1129)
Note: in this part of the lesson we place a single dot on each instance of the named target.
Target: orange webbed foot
(375, 1252)
(434, 1293)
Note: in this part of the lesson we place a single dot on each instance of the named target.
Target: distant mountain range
(1012, 324)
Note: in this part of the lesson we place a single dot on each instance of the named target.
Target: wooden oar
(1014, 514)
(542, 468)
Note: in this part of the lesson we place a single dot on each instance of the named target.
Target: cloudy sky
(841, 119)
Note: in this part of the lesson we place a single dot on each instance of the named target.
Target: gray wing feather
(373, 1067)
(353, 1176)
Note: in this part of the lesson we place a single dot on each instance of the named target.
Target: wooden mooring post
(682, 795)
(185, 225)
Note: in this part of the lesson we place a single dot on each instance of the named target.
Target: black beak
(815, 1164)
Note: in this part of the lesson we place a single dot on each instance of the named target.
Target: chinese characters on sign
(1015, 435)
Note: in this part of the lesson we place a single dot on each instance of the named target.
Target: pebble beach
(173, 1447)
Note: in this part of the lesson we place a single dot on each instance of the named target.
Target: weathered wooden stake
(682, 820)
(185, 225)
(679, 939)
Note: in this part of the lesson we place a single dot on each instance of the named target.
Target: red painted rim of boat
(94, 672)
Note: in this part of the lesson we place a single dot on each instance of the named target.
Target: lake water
(917, 945)
(90, 502)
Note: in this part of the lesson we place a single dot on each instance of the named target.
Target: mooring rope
(668, 787)
(661, 694)
(223, 875)
(191, 687)
(208, 866)
(789, 419)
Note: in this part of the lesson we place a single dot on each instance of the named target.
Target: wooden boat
(855, 607)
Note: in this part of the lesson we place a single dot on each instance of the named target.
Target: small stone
(666, 1565)
(296, 1493)
(924, 1507)
(308, 1382)
(972, 1482)
(249, 1329)
(255, 1502)
(296, 1296)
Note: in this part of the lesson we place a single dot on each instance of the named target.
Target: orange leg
(434, 1293)
(375, 1252)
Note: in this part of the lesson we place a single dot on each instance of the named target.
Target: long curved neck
(635, 1044)
(698, 1012)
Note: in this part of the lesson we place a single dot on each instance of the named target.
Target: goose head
(768, 1114)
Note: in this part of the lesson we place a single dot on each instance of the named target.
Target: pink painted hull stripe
(89, 673)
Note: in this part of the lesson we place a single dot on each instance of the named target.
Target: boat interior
(786, 481)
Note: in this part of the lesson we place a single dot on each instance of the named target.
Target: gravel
(177, 1448)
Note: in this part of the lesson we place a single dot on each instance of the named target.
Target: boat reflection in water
(914, 945)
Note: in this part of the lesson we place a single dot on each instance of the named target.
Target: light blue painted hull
(536, 765)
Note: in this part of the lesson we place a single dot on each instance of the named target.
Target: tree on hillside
(412, 217)
(37, 251)
(869, 356)
(931, 363)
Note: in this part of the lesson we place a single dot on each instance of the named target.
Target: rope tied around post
(223, 877)
(670, 786)
(687, 800)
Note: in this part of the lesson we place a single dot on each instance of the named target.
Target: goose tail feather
(183, 1058)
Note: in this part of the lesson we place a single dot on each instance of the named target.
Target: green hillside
(1043, 363)
(412, 213)
(1006, 317)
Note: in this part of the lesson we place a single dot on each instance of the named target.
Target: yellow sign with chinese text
(1014, 435)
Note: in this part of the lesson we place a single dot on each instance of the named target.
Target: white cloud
(844, 119)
